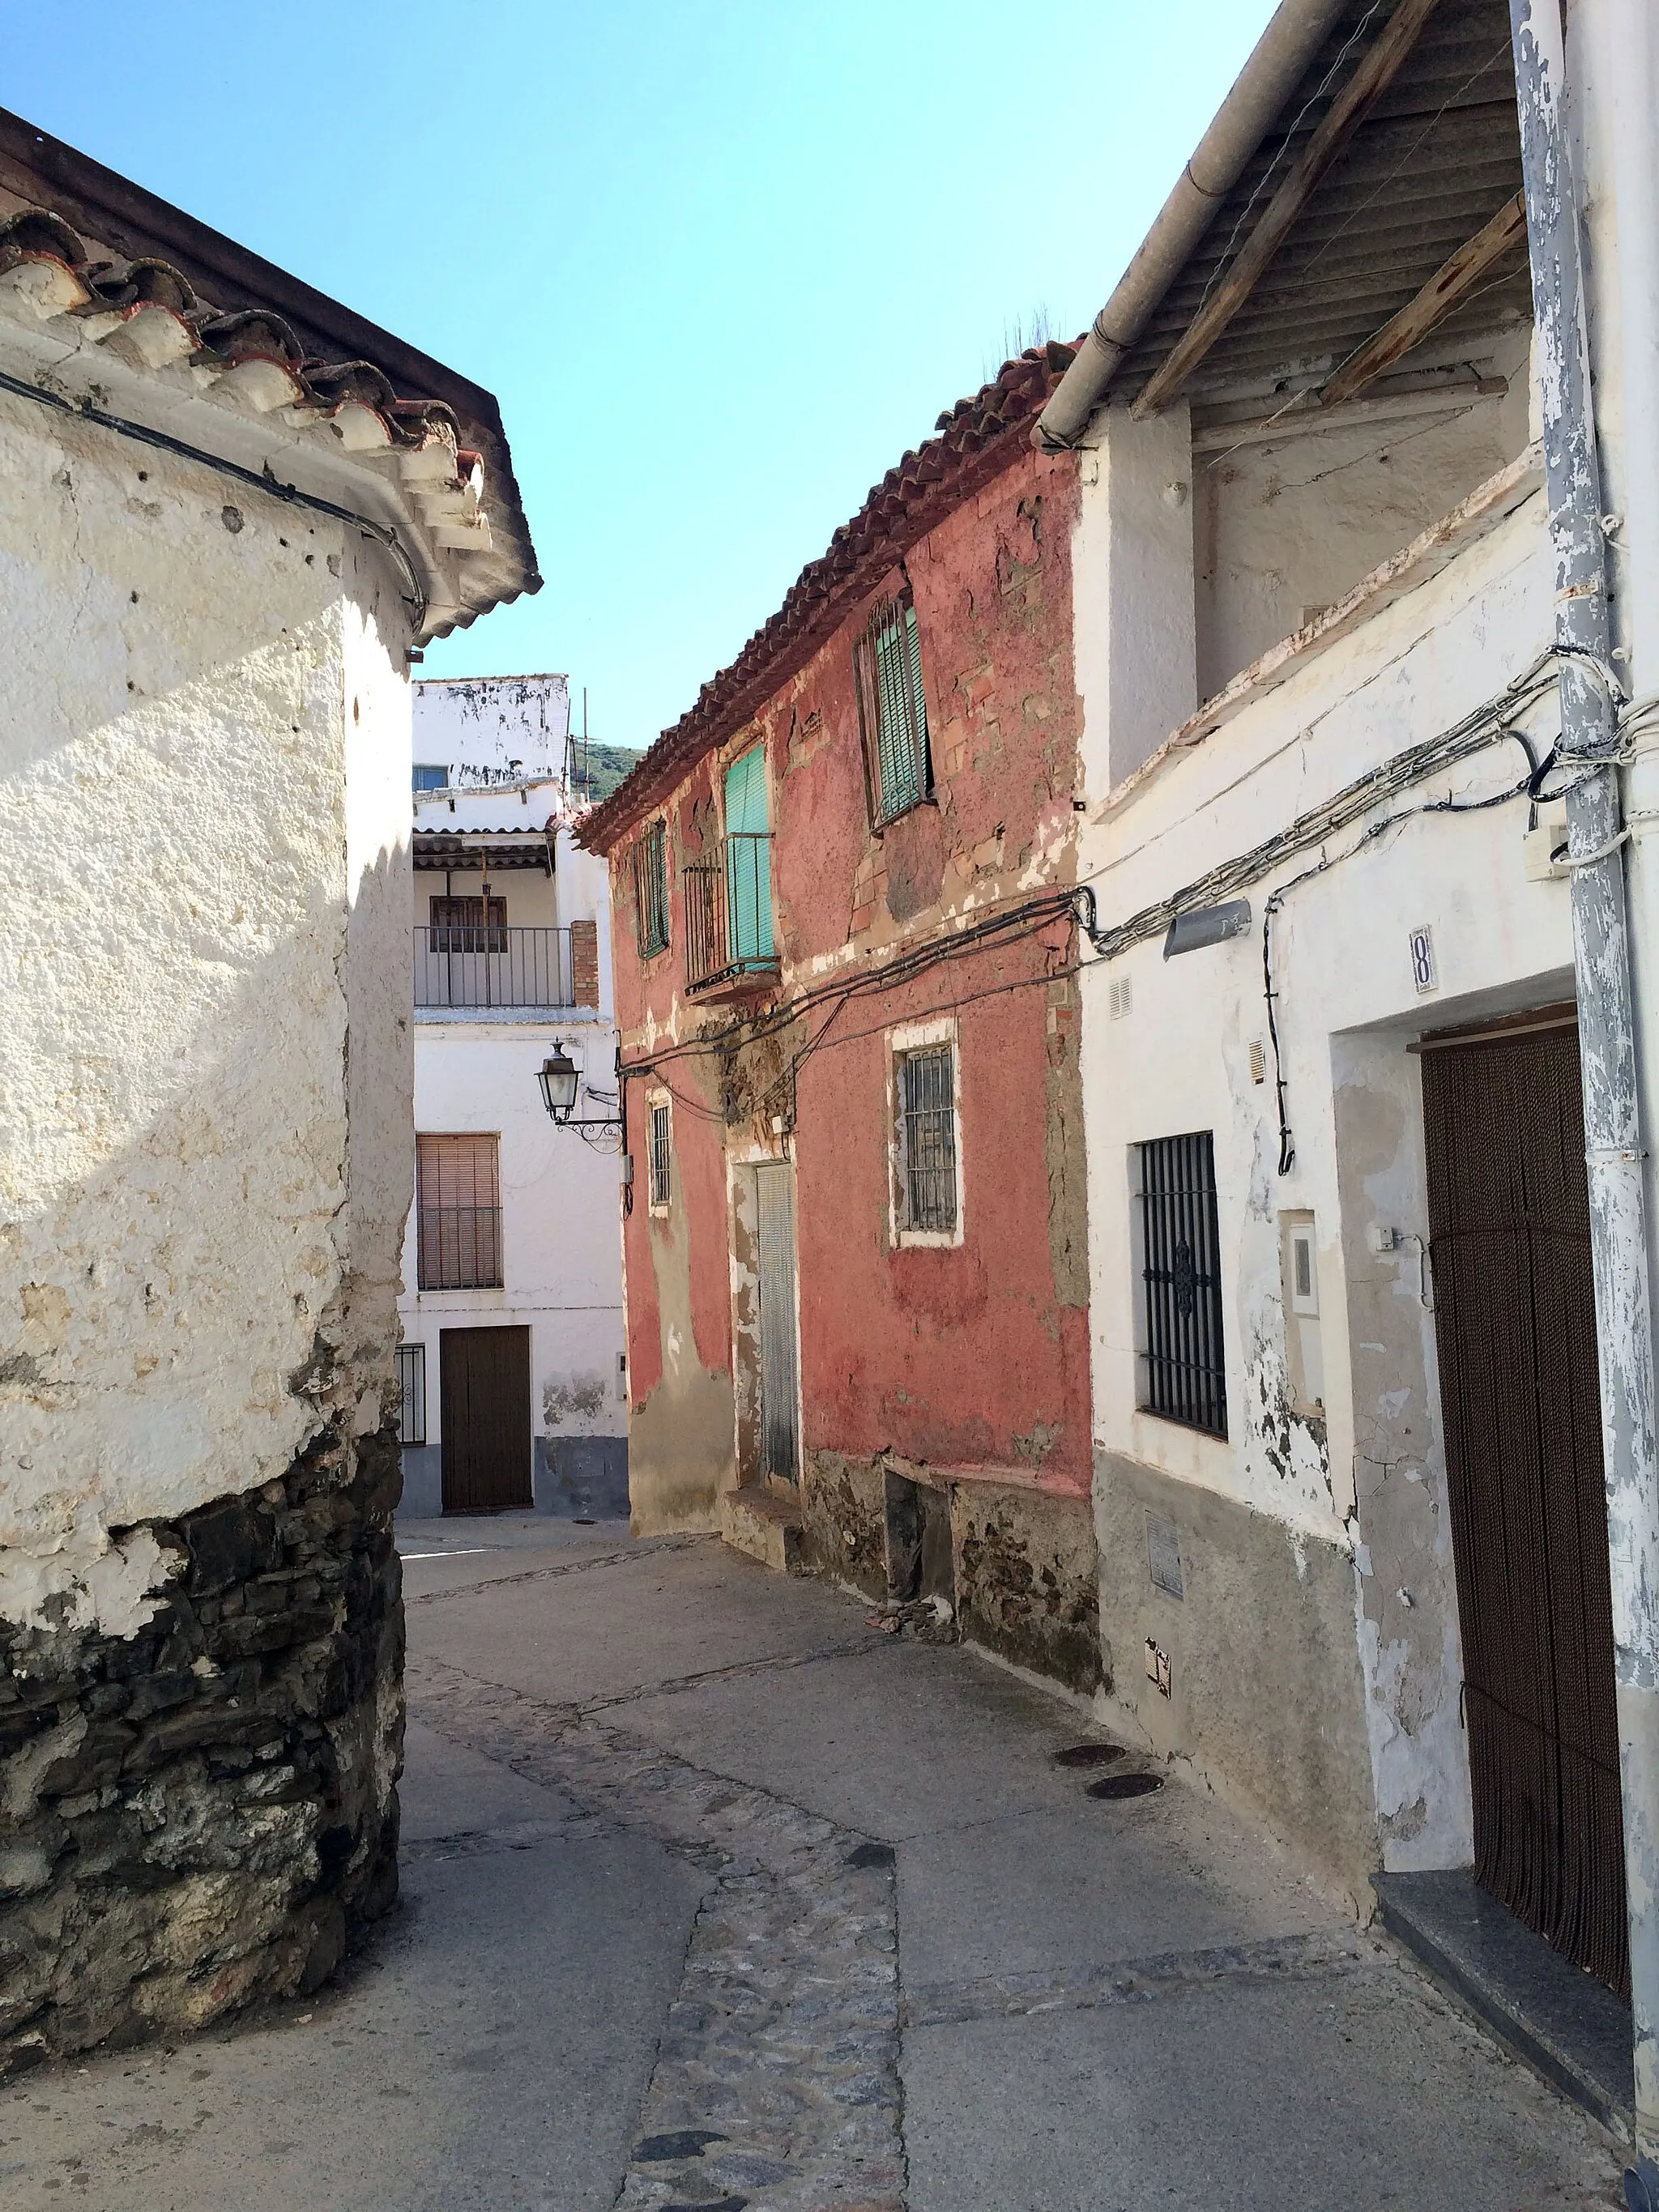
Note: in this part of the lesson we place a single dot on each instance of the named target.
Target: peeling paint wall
(196, 1232)
(492, 729)
(1325, 1579)
(974, 1353)
(205, 1171)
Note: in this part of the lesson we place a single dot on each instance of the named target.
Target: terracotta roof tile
(974, 441)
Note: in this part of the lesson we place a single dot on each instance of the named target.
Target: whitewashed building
(230, 512)
(1348, 1477)
(513, 1388)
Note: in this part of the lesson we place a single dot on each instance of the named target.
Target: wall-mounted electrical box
(1544, 848)
(1304, 1354)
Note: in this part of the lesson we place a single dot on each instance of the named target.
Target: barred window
(893, 710)
(650, 889)
(1181, 1273)
(927, 1140)
(661, 1169)
(411, 1394)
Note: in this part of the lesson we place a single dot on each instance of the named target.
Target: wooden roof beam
(1450, 284)
(1378, 67)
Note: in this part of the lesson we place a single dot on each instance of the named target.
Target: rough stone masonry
(199, 1814)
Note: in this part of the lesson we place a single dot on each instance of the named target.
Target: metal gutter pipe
(1264, 84)
(1589, 742)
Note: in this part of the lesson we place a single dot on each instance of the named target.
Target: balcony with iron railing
(476, 967)
(729, 952)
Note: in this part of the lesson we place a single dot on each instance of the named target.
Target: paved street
(715, 1895)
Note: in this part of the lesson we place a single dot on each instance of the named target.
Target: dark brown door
(1514, 1323)
(484, 1378)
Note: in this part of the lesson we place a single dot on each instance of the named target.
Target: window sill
(928, 1240)
(884, 822)
(1175, 1421)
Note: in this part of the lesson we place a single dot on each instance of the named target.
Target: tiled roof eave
(977, 440)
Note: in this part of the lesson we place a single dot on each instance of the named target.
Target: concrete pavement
(715, 1894)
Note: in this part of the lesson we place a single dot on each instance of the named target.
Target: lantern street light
(558, 1080)
(560, 1083)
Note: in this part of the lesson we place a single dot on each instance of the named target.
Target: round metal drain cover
(1089, 1754)
(1140, 1784)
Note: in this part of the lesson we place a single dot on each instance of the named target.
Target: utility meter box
(1544, 850)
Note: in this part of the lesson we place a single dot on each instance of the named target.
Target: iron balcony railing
(483, 965)
(728, 913)
(459, 1247)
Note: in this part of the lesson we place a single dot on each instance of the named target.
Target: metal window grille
(1186, 1372)
(411, 1394)
(893, 709)
(927, 1140)
(661, 1183)
(650, 889)
(458, 1214)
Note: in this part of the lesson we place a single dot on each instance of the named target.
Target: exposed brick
(584, 963)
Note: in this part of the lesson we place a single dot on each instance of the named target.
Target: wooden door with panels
(1515, 1328)
(485, 1384)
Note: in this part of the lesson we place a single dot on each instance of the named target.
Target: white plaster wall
(196, 914)
(561, 1230)
(1180, 1060)
(492, 729)
(1133, 590)
(561, 1239)
(1284, 527)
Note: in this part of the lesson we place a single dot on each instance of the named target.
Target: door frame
(742, 1245)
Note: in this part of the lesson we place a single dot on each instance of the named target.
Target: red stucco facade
(959, 1365)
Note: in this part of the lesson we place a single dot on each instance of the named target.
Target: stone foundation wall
(1265, 1698)
(1023, 1562)
(204, 1813)
(1026, 1580)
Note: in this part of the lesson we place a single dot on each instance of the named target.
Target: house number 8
(1421, 942)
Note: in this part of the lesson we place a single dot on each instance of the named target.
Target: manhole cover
(1126, 1785)
(1089, 1754)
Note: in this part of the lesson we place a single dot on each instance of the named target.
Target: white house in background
(513, 1387)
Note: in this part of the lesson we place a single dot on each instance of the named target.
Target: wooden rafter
(1451, 282)
(1378, 69)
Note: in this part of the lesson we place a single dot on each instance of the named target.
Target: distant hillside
(600, 768)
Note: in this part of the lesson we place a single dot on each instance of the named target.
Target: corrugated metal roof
(1435, 159)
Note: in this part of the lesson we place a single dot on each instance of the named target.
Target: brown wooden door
(1514, 1323)
(484, 1380)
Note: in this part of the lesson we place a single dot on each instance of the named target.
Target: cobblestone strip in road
(776, 2085)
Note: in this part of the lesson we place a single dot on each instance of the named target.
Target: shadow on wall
(176, 1302)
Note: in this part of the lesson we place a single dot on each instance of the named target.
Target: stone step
(763, 1527)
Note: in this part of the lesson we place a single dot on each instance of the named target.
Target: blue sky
(722, 265)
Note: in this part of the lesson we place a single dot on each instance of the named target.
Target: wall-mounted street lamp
(560, 1083)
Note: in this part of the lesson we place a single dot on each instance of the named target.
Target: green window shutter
(748, 860)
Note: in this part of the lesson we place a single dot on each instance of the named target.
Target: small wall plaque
(1164, 1555)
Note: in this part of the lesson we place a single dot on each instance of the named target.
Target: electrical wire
(415, 599)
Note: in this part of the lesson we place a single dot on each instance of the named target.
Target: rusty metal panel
(484, 1382)
(1515, 1324)
(780, 1364)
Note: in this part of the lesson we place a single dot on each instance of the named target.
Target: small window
(893, 710)
(467, 925)
(650, 889)
(411, 1394)
(661, 1170)
(459, 1213)
(1181, 1277)
(429, 777)
(928, 1203)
